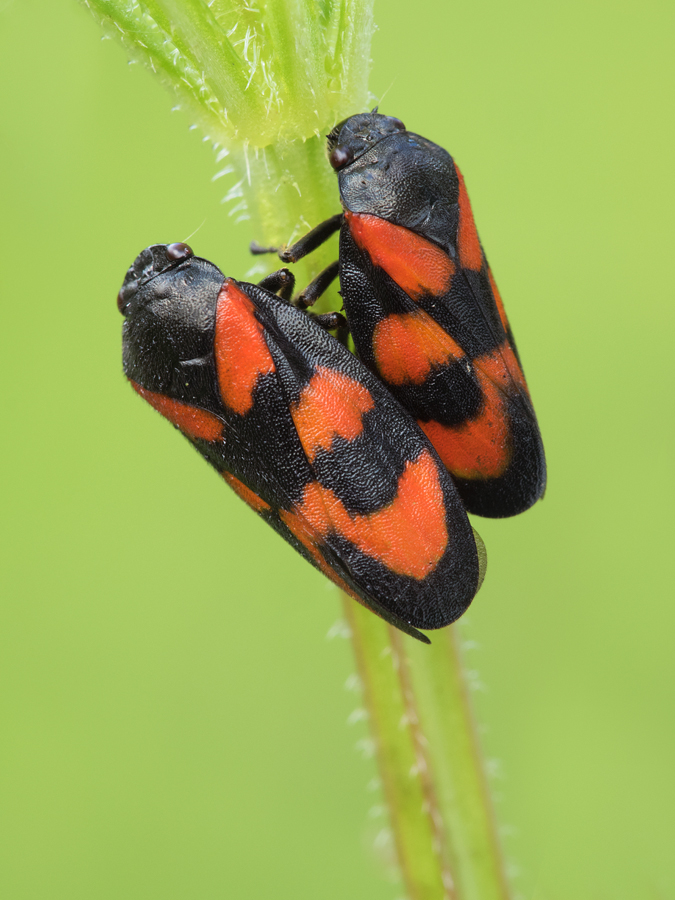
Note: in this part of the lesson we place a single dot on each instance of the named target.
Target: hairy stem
(429, 760)
(289, 188)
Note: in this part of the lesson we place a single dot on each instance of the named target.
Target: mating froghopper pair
(366, 466)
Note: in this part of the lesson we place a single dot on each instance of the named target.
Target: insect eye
(398, 124)
(340, 157)
(179, 251)
(121, 301)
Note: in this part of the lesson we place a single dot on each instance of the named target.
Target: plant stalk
(429, 761)
(289, 188)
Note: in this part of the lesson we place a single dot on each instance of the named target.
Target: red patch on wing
(331, 405)
(502, 365)
(409, 535)
(241, 352)
(414, 263)
(468, 245)
(502, 368)
(312, 542)
(498, 301)
(480, 448)
(246, 494)
(195, 423)
(407, 346)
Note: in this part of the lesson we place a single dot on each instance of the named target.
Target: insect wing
(426, 316)
(387, 516)
(304, 434)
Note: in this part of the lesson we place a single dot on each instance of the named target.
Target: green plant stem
(429, 760)
(289, 188)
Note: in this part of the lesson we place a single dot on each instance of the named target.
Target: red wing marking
(246, 494)
(407, 346)
(498, 301)
(502, 368)
(480, 448)
(468, 245)
(195, 423)
(241, 352)
(409, 535)
(414, 263)
(312, 542)
(331, 405)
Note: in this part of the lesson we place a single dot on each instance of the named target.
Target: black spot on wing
(365, 471)
(451, 395)
(262, 448)
(362, 304)
(481, 290)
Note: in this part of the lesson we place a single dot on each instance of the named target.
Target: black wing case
(254, 383)
(387, 515)
(409, 248)
(442, 350)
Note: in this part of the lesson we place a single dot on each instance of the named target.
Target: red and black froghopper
(302, 432)
(424, 310)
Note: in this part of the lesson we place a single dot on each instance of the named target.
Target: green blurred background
(174, 721)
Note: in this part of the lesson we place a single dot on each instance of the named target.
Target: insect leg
(330, 321)
(305, 245)
(312, 239)
(309, 295)
(280, 282)
(342, 335)
(258, 250)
